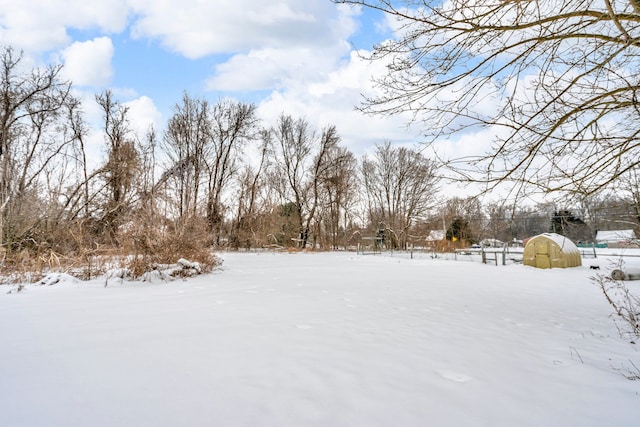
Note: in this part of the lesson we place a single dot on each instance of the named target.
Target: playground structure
(369, 245)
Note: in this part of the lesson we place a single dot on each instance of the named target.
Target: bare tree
(499, 221)
(233, 124)
(184, 142)
(530, 221)
(629, 188)
(294, 145)
(32, 106)
(557, 82)
(328, 144)
(613, 210)
(79, 129)
(251, 184)
(400, 184)
(339, 191)
(301, 160)
(121, 169)
(202, 142)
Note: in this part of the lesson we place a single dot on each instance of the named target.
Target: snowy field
(326, 339)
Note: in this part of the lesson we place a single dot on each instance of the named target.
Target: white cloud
(89, 63)
(41, 25)
(256, 70)
(270, 68)
(297, 50)
(143, 114)
(196, 29)
(332, 101)
(288, 58)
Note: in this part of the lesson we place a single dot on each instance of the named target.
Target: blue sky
(291, 56)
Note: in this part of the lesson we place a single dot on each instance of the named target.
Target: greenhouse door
(542, 254)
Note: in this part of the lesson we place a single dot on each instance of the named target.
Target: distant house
(617, 238)
(436, 236)
(436, 240)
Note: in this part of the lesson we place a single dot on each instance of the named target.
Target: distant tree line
(468, 221)
(217, 176)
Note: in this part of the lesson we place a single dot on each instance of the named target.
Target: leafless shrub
(626, 311)
(148, 247)
(625, 304)
(140, 249)
(632, 373)
(25, 266)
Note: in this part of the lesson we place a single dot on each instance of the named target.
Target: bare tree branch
(553, 87)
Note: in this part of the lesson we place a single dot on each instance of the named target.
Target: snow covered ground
(325, 339)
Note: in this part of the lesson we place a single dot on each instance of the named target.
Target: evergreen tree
(458, 230)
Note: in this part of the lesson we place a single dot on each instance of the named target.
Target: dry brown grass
(148, 247)
(138, 250)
